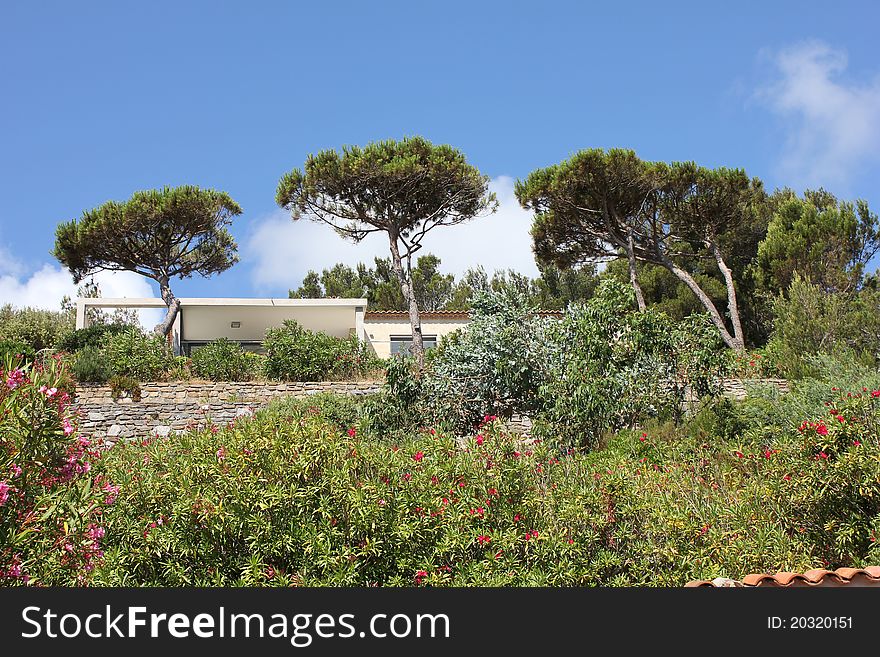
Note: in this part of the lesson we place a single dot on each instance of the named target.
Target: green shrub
(296, 354)
(611, 367)
(343, 411)
(92, 336)
(51, 505)
(808, 321)
(493, 366)
(289, 497)
(223, 360)
(124, 385)
(17, 350)
(91, 365)
(37, 328)
(134, 354)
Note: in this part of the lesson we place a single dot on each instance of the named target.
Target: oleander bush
(51, 500)
(135, 354)
(297, 354)
(224, 360)
(305, 494)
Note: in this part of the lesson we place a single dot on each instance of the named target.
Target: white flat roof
(153, 302)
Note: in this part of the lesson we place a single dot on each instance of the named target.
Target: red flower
(493, 492)
(484, 540)
(420, 575)
(821, 455)
(479, 440)
(739, 455)
(840, 418)
(352, 432)
(857, 443)
(418, 456)
(767, 453)
(821, 429)
(787, 477)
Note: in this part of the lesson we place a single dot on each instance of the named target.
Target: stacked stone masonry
(173, 407)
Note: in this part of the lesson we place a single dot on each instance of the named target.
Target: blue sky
(100, 99)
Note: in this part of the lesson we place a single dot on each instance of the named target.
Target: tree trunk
(730, 340)
(633, 278)
(163, 328)
(406, 286)
(731, 293)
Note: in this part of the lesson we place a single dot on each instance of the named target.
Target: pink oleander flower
(4, 492)
(67, 426)
(418, 456)
(15, 379)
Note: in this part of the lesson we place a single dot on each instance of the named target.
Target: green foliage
(492, 366)
(380, 285)
(612, 367)
(809, 321)
(223, 360)
(91, 365)
(92, 336)
(124, 385)
(604, 205)
(161, 234)
(293, 497)
(16, 351)
(50, 506)
(37, 328)
(133, 354)
(823, 240)
(403, 188)
(296, 354)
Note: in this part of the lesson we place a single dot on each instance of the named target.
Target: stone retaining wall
(171, 407)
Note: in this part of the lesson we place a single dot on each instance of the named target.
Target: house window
(403, 343)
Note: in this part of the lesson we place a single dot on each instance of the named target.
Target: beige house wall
(379, 331)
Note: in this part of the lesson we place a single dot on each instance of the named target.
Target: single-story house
(245, 321)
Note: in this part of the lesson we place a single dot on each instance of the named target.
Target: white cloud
(45, 287)
(282, 251)
(832, 123)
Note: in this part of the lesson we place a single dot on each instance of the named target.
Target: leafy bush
(50, 505)
(15, 349)
(494, 365)
(223, 360)
(611, 367)
(289, 497)
(37, 328)
(92, 336)
(343, 411)
(809, 321)
(296, 354)
(124, 385)
(134, 354)
(91, 365)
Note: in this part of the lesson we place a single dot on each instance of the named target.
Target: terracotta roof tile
(868, 576)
